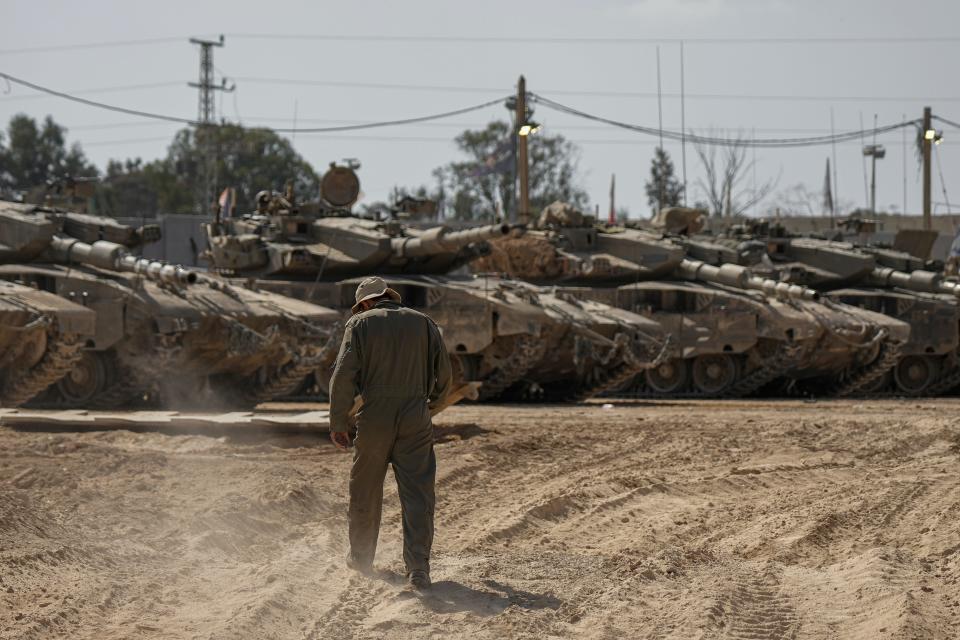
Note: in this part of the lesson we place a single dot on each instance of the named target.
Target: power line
(601, 40)
(391, 86)
(459, 39)
(157, 116)
(945, 121)
(92, 103)
(713, 140)
(92, 45)
(115, 88)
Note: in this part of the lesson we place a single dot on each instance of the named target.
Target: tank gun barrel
(442, 240)
(115, 257)
(734, 275)
(919, 280)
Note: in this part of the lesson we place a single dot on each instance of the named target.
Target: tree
(34, 154)
(722, 184)
(483, 184)
(250, 160)
(663, 188)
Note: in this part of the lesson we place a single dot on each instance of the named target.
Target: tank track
(772, 368)
(945, 384)
(123, 392)
(527, 352)
(286, 384)
(287, 379)
(56, 362)
(885, 360)
(606, 379)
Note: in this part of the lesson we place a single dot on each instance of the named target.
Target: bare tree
(725, 171)
(799, 200)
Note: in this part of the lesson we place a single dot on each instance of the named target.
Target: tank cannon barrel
(442, 240)
(115, 257)
(919, 280)
(734, 275)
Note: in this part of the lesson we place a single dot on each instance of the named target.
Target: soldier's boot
(419, 579)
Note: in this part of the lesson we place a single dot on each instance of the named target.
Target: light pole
(930, 137)
(875, 151)
(525, 128)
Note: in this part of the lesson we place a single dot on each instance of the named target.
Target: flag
(612, 215)
(827, 192)
(228, 202)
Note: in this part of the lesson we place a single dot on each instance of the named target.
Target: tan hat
(373, 287)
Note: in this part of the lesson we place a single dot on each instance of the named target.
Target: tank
(883, 280)
(163, 333)
(514, 338)
(42, 338)
(734, 331)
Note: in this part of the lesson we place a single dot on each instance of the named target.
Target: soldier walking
(395, 359)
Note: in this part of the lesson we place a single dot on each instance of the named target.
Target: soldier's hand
(340, 439)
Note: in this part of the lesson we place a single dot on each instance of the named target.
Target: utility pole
(205, 115)
(523, 130)
(928, 135)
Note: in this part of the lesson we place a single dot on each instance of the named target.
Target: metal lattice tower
(206, 115)
(206, 86)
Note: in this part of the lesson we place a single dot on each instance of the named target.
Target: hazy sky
(771, 89)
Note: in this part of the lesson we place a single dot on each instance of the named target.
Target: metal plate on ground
(165, 420)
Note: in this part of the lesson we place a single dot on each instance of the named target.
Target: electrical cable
(391, 123)
(115, 88)
(946, 121)
(390, 86)
(712, 140)
(93, 103)
(188, 121)
(604, 40)
(458, 39)
(92, 45)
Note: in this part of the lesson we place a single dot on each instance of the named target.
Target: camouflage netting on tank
(534, 257)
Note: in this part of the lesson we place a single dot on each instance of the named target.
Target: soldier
(395, 359)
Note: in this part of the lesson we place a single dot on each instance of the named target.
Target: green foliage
(479, 186)
(36, 153)
(663, 189)
(250, 160)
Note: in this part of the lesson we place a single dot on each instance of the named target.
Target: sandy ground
(682, 520)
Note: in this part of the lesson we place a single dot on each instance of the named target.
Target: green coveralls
(395, 359)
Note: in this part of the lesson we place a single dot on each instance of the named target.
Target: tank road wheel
(715, 373)
(914, 374)
(89, 377)
(669, 377)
